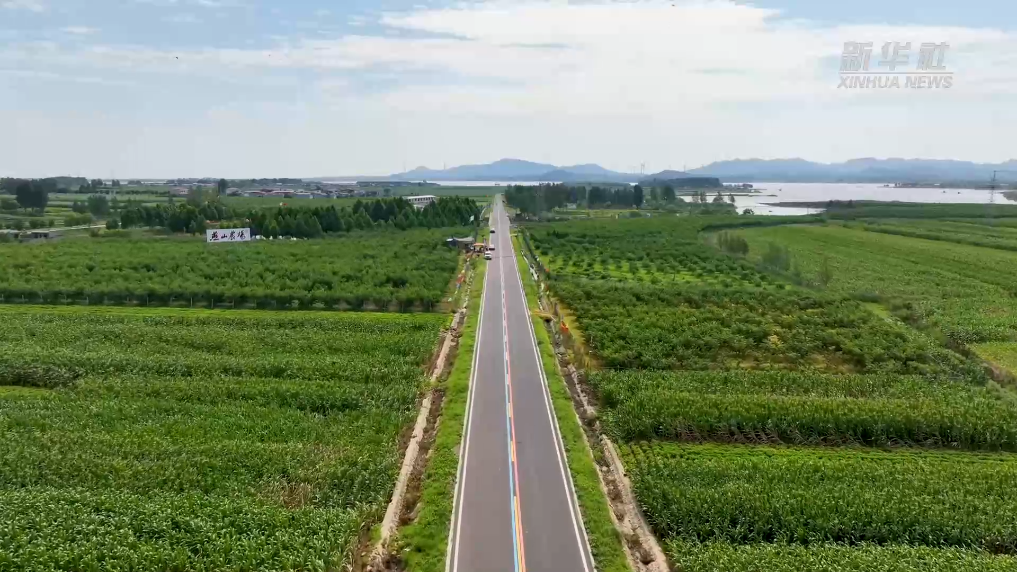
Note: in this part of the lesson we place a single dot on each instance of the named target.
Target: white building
(421, 201)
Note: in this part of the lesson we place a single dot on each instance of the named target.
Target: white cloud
(200, 3)
(609, 81)
(30, 5)
(183, 18)
(66, 77)
(601, 57)
(79, 30)
(216, 3)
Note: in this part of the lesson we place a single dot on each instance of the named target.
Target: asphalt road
(515, 507)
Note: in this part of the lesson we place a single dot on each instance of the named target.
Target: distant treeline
(303, 222)
(533, 200)
(51, 184)
(542, 198)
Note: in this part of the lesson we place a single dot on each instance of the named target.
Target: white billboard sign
(228, 235)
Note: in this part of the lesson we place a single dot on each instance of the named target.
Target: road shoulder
(422, 544)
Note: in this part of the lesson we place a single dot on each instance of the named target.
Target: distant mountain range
(508, 170)
(738, 170)
(857, 171)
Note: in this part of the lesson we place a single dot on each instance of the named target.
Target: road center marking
(517, 519)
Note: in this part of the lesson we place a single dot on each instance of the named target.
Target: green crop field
(371, 270)
(727, 557)
(200, 440)
(801, 496)
(448, 191)
(964, 290)
(662, 327)
(987, 232)
(702, 310)
(804, 408)
(247, 203)
(770, 426)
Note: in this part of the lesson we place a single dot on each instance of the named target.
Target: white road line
(451, 565)
(517, 541)
(566, 477)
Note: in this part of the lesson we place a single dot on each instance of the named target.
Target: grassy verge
(1003, 354)
(424, 541)
(605, 541)
(454, 298)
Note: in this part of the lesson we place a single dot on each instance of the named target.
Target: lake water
(764, 202)
(772, 193)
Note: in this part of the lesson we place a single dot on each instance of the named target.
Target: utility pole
(992, 189)
(992, 185)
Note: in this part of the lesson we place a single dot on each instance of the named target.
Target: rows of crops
(377, 270)
(985, 232)
(659, 327)
(727, 557)
(724, 313)
(200, 440)
(765, 426)
(803, 496)
(659, 253)
(804, 409)
(965, 291)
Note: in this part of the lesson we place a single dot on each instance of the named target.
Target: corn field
(750, 495)
(804, 408)
(190, 440)
(772, 421)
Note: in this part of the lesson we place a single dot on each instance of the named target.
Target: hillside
(510, 170)
(865, 170)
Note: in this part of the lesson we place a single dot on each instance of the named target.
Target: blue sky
(246, 88)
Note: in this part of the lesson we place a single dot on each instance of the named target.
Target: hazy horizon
(448, 167)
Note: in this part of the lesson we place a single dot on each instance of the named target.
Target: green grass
(425, 540)
(605, 540)
(1003, 354)
(182, 440)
